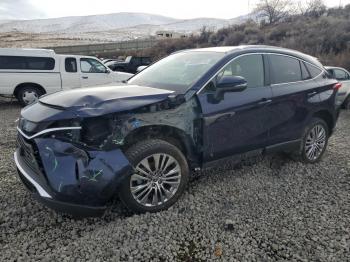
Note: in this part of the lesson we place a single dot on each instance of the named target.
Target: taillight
(337, 86)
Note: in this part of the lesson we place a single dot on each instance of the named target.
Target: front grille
(27, 153)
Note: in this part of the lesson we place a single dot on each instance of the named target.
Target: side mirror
(231, 84)
(227, 84)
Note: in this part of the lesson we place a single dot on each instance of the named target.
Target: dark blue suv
(77, 149)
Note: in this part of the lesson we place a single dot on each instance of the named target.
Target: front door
(235, 123)
(94, 73)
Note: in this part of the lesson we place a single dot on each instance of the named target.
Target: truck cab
(28, 74)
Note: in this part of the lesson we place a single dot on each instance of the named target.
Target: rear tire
(314, 142)
(160, 176)
(346, 104)
(28, 95)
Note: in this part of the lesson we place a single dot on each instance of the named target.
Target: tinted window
(304, 73)
(314, 71)
(146, 60)
(27, 63)
(251, 67)
(71, 65)
(340, 74)
(284, 69)
(89, 65)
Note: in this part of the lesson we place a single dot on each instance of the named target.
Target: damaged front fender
(81, 176)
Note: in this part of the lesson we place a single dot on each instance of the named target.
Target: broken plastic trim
(41, 191)
(47, 131)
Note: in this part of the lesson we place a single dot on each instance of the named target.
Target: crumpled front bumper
(70, 179)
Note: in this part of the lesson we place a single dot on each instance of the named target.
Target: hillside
(81, 24)
(100, 28)
(326, 36)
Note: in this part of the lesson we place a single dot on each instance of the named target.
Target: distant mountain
(78, 24)
(100, 28)
(108, 22)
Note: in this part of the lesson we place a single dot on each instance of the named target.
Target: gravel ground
(276, 209)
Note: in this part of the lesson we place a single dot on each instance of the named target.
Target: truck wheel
(28, 95)
(314, 141)
(160, 176)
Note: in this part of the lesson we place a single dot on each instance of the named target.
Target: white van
(30, 73)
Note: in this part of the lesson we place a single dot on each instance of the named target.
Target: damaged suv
(78, 149)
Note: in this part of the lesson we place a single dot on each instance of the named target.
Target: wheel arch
(19, 86)
(171, 134)
(327, 117)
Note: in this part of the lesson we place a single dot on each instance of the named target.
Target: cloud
(18, 9)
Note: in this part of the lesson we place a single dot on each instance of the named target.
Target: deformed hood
(95, 101)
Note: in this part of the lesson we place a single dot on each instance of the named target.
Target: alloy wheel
(315, 142)
(155, 180)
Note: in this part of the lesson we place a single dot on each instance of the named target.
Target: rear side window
(71, 65)
(314, 71)
(27, 63)
(285, 69)
(304, 73)
(340, 74)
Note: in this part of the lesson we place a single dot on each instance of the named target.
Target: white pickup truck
(29, 73)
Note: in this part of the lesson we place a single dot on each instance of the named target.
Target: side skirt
(288, 146)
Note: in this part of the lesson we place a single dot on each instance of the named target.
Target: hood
(94, 101)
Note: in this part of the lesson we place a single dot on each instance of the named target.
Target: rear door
(71, 78)
(236, 122)
(295, 92)
(94, 73)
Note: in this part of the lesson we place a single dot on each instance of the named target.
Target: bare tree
(314, 8)
(274, 10)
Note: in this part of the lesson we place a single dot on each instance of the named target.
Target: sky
(182, 9)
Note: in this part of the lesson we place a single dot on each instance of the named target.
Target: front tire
(160, 176)
(314, 141)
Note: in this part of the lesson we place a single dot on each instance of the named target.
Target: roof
(260, 48)
(26, 51)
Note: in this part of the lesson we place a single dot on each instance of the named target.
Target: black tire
(346, 104)
(25, 90)
(137, 153)
(301, 155)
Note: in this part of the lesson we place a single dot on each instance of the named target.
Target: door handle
(264, 101)
(85, 77)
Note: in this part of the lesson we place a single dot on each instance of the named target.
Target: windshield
(177, 72)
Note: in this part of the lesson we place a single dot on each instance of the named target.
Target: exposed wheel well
(173, 135)
(18, 87)
(327, 117)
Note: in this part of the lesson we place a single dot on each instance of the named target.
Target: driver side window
(251, 67)
(89, 65)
